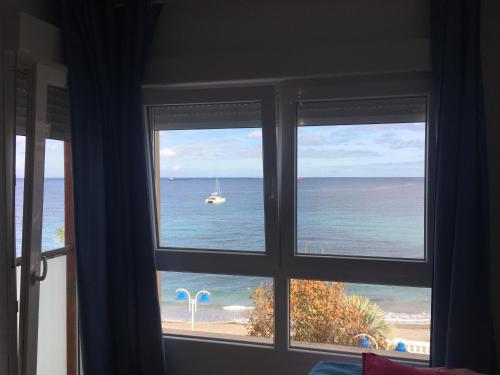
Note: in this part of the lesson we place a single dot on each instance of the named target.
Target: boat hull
(215, 201)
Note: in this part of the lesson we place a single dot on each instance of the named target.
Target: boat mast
(217, 186)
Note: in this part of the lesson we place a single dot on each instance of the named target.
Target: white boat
(215, 197)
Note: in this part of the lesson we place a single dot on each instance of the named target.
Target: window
(53, 194)
(356, 317)
(360, 185)
(47, 323)
(216, 306)
(215, 173)
(321, 246)
(19, 190)
(221, 168)
(53, 212)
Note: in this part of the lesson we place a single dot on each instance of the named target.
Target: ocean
(376, 217)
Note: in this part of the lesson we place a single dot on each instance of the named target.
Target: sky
(54, 157)
(383, 150)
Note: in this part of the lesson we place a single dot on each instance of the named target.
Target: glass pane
(18, 207)
(19, 191)
(53, 196)
(211, 189)
(390, 320)
(227, 307)
(361, 190)
(51, 358)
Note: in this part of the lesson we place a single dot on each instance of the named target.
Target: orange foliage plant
(319, 314)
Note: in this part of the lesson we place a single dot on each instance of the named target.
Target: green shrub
(60, 234)
(371, 315)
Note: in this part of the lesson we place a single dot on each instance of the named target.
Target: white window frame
(282, 263)
(356, 269)
(219, 261)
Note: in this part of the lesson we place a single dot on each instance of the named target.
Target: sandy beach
(407, 331)
(415, 332)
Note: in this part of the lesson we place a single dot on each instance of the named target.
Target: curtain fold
(461, 321)
(120, 323)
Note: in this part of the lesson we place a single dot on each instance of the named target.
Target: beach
(413, 332)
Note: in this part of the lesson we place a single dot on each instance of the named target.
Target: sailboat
(216, 197)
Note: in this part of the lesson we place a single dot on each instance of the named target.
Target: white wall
(235, 40)
(46, 10)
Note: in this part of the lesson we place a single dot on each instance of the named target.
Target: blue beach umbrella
(181, 296)
(400, 347)
(203, 298)
(365, 343)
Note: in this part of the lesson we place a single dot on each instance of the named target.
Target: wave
(422, 318)
(237, 308)
(236, 314)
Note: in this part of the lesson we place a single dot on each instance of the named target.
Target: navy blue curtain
(105, 47)
(461, 321)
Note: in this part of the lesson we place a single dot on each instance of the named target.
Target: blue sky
(382, 150)
(214, 152)
(386, 150)
(54, 157)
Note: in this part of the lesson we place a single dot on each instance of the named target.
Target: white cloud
(403, 140)
(176, 167)
(168, 152)
(255, 134)
(332, 153)
(311, 139)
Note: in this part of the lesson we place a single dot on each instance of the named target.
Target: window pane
(19, 191)
(228, 311)
(53, 196)
(357, 317)
(211, 189)
(360, 187)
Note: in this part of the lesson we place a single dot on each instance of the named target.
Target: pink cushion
(376, 365)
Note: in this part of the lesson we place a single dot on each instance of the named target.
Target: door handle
(36, 277)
